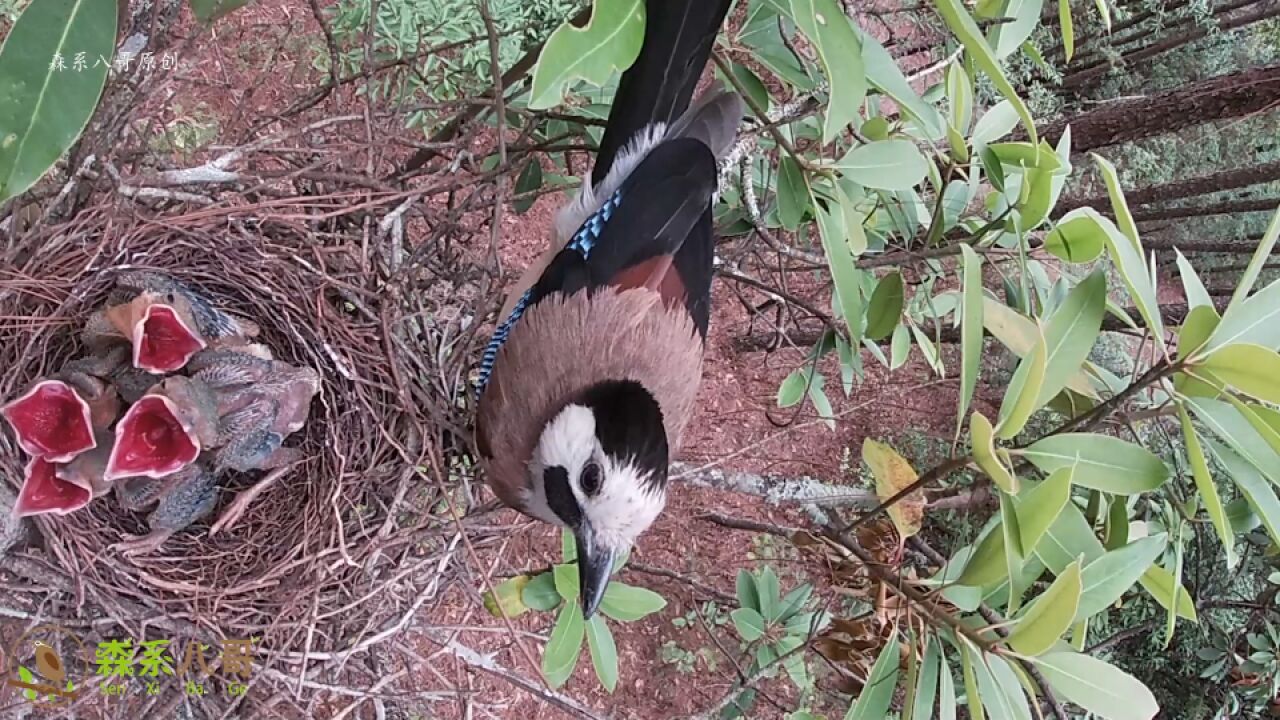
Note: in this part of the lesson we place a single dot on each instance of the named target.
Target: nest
(330, 553)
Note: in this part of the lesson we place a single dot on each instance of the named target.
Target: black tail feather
(678, 36)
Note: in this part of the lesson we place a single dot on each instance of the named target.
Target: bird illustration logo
(36, 668)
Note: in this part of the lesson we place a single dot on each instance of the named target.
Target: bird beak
(595, 565)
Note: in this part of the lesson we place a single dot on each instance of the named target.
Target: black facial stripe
(629, 426)
(560, 499)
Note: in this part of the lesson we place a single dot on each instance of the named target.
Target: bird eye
(591, 476)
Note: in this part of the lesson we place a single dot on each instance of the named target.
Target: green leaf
(899, 347)
(967, 32)
(1013, 553)
(628, 603)
(1255, 320)
(751, 82)
(610, 42)
(840, 53)
(982, 436)
(1019, 333)
(791, 391)
(46, 107)
(1119, 206)
(1251, 369)
(986, 566)
(568, 546)
(1127, 255)
(971, 327)
(1256, 490)
(1261, 255)
(1264, 420)
(566, 578)
(770, 594)
(506, 600)
(794, 601)
(565, 645)
(926, 688)
(1206, 487)
(885, 165)
(1071, 333)
(999, 701)
(877, 694)
(1106, 579)
(1159, 583)
(877, 128)
(1192, 286)
(1098, 686)
(946, 692)
(749, 623)
(1021, 396)
(1050, 616)
(29, 678)
(993, 125)
(540, 593)
(529, 181)
(1077, 238)
(885, 309)
(1022, 155)
(976, 711)
(1102, 462)
(1068, 28)
(748, 595)
(884, 75)
(844, 273)
(1235, 429)
(793, 193)
(1007, 37)
(1042, 505)
(604, 652)
(210, 10)
(959, 97)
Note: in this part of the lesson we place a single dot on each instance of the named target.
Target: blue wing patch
(582, 242)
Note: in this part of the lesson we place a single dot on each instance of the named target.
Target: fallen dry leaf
(894, 474)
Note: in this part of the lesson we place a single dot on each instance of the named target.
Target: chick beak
(595, 565)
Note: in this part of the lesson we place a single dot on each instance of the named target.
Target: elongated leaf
(1071, 333)
(976, 710)
(793, 193)
(999, 703)
(960, 98)
(877, 694)
(1255, 320)
(1013, 554)
(885, 165)
(770, 595)
(1251, 369)
(966, 31)
(1206, 487)
(1192, 286)
(540, 593)
(1159, 583)
(993, 125)
(1119, 206)
(1171, 619)
(47, 98)
(1024, 390)
(1050, 616)
(565, 645)
(210, 10)
(1102, 462)
(971, 327)
(1266, 421)
(1077, 238)
(610, 42)
(604, 652)
(885, 309)
(1068, 28)
(1106, 579)
(986, 566)
(1098, 686)
(1041, 506)
(894, 474)
(884, 75)
(1126, 253)
(1012, 682)
(844, 273)
(1196, 329)
(840, 52)
(946, 689)
(748, 595)
(628, 603)
(1261, 255)
(982, 435)
(1233, 428)
(1256, 490)
(1018, 333)
(1023, 17)
(750, 624)
(566, 576)
(926, 687)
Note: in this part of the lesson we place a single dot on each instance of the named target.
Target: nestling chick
(181, 499)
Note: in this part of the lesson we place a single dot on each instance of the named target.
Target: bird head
(52, 421)
(600, 469)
